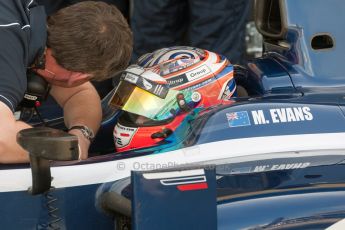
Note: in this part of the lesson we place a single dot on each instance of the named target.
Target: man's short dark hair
(90, 37)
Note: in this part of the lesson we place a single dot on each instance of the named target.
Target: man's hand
(83, 143)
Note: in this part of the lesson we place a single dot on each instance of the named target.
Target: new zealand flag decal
(237, 119)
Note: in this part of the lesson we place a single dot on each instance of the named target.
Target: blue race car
(272, 159)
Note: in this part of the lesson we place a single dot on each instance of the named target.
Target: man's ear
(78, 77)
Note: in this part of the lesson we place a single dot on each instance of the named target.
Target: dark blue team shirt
(22, 38)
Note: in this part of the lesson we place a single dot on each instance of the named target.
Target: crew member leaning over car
(83, 42)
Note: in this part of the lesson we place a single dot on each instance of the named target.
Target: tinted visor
(131, 98)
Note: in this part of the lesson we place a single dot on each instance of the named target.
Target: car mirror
(44, 145)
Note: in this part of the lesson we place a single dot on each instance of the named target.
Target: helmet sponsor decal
(202, 84)
(147, 84)
(196, 97)
(123, 135)
(176, 81)
(158, 90)
(131, 78)
(198, 73)
(175, 65)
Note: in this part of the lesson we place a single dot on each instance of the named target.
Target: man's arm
(82, 106)
(10, 150)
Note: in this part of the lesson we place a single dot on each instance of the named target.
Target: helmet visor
(131, 98)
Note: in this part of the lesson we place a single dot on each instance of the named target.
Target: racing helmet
(162, 88)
